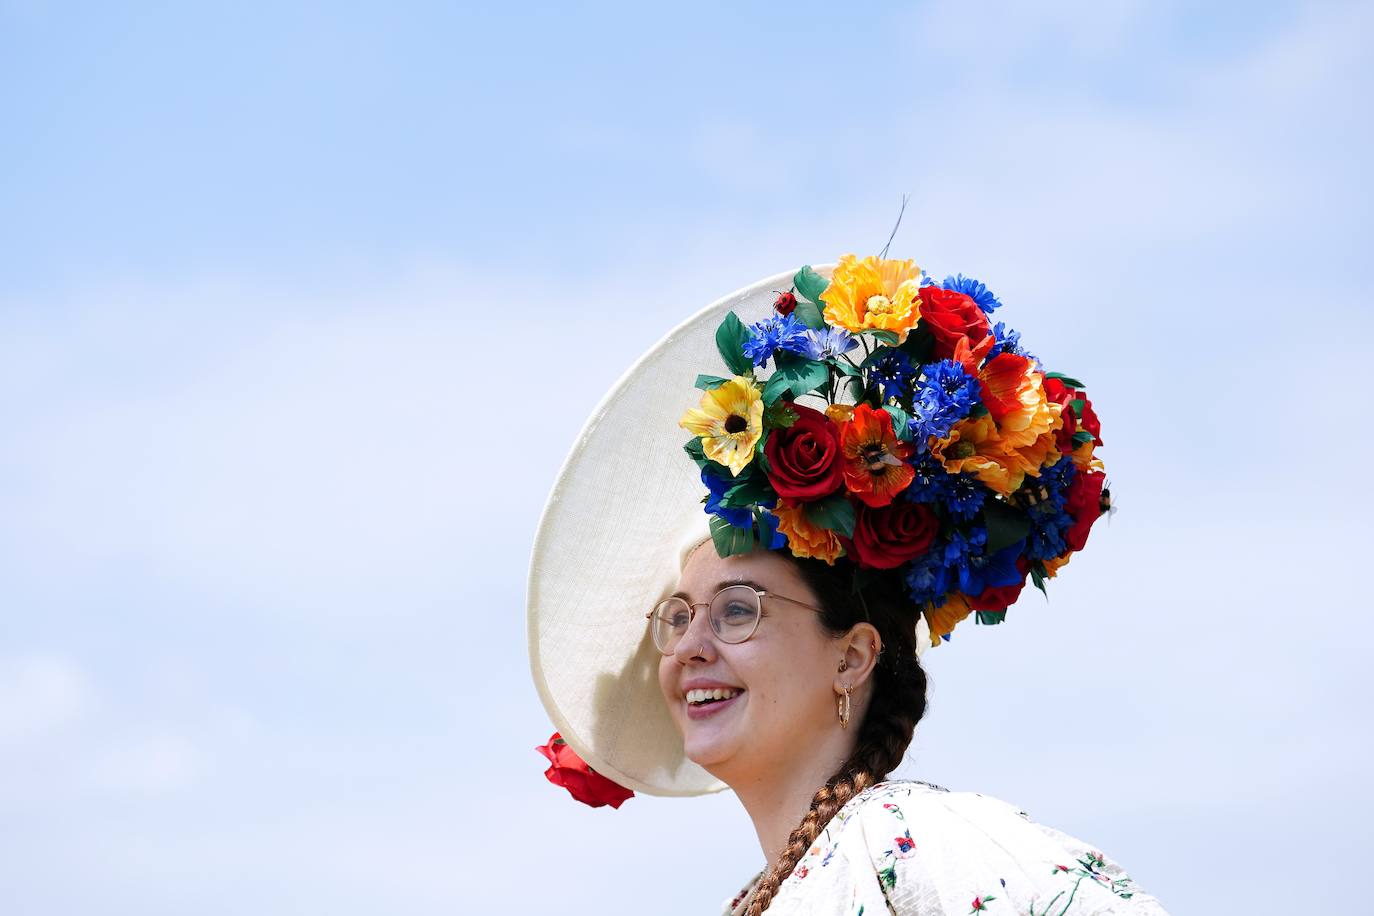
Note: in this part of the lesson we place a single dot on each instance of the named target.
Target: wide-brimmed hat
(625, 508)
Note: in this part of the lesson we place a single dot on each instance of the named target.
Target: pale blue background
(301, 306)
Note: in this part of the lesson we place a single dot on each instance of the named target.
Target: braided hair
(897, 703)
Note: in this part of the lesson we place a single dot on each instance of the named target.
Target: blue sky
(300, 308)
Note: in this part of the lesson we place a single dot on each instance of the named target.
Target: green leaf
(766, 523)
(779, 415)
(1081, 437)
(696, 451)
(1038, 575)
(730, 337)
(809, 314)
(899, 421)
(875, 357)
(1006, 525)
(730, 540)
(888, 337)
(834, 513)
(978, 410)
(843, 366)
(1071, 382)
(795, 375)
(990, 618)
(810, 284)
(856, 388)
(1077, 405)
(748, 491)
(708, 382)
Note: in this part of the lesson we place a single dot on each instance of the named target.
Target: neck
(778, 797)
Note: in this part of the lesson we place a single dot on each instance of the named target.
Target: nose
(697, 642)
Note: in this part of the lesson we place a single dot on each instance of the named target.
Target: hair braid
(897, 703)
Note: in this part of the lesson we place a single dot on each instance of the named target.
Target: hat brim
(608, 549)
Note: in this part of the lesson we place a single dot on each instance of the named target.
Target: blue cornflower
(964, 495)
(1008, 341)
(1048, 519)
(927, 579)
(893, 373)
(981, 570)
(931, 483)
(828, 343)
(944, 396)
(974, 290)
(778, 332)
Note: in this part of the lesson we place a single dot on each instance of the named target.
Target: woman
(938, 469)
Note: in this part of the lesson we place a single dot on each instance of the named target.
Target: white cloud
(40, 694)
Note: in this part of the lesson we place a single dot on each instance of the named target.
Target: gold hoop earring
(844, 708)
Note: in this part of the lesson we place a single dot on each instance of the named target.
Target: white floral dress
(914, 849)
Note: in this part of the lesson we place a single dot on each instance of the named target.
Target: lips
(712, 706)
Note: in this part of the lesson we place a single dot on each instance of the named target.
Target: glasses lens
(735, 613)
(668, 623)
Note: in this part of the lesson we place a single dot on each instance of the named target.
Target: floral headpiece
(932, 443)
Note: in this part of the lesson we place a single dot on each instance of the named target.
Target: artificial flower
(805, 538)
(839, 413)
(974, 290)
(893, 373)
(944, 618)
(973, 446)
(828, 343)
(716, 487)
(887, 537)
(570, 771)
(779, 332)
(804, 458)
(944, 395)
(875, 468)
(729, 422)
(1083, 502)
(950, 315)
(873, 294)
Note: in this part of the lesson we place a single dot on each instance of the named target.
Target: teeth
(717, 693)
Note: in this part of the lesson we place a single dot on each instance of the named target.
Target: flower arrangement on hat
(883, 420)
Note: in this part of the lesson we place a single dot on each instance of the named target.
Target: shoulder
(925, 849)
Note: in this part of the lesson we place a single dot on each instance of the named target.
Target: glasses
(734, 614)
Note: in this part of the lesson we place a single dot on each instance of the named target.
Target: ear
(859, 650)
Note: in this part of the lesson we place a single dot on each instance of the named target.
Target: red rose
(1059, 393)
(997, 598)
(887, 537)
(1084, 503)
(785, 303)
(1056, 392)
(1089, 420)
(949, 316)
(804, 459)
(582, 782)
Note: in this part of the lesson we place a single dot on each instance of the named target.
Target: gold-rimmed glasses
(734, 614)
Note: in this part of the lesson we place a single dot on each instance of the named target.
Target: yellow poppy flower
(873, 294)
(729, 422)
(943, 619)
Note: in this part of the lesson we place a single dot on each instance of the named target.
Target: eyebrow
(722, 585)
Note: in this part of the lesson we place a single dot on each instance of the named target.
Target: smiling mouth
(699, 698)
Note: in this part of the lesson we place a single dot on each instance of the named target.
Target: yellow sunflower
(729, 422)
(873, 294)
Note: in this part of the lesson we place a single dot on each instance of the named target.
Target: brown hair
(897, 703)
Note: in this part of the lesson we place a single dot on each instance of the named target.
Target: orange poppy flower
(875, 467)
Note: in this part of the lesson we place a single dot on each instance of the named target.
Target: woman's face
(784, 674)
